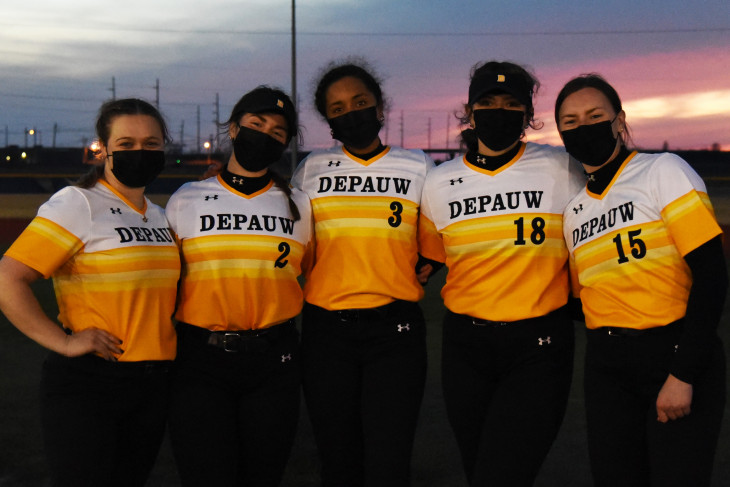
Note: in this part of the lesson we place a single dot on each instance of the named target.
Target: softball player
(115, 268)
(495, 217)
(244, 236)
(363, 335)
(646, 254)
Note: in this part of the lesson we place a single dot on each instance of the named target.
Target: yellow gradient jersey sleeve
(365, 215)
(113, 267)
(627, 244)
(500, 233)
(241, 254)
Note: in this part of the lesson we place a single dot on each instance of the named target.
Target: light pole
(294, 140)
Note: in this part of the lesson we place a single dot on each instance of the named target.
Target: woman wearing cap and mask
(363, 335)
(646, 252)
(115, 266)
(495, 217)
(244, 236)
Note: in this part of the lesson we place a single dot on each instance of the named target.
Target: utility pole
(55, 131)
(182, 136)
(113, 89)
(429, 132)
(197, 141)
(216, 112)
(157, 93)
(293, 130)
(387, 131)
(448, 120)
(402, 126)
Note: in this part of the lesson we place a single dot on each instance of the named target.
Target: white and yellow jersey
(113, 266)
(627, 244)
(365, 216)
(241, 254)
(500, 233)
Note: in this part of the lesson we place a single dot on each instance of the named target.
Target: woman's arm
(21, 307)
(704, 308)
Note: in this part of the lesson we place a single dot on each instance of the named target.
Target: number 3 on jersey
(397, 209)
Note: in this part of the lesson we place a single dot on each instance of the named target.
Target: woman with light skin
(244, 237)
(115, 267)
(363, 333)
(648, 266)
(494, 216)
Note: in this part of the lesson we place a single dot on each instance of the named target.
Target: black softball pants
(506, 387)
(103, 422)
(364, 375)
(627, 445)
(235, 406)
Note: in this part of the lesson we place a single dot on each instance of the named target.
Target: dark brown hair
(107, 113)
(350, 68)
(243, 106)
(595, 81)
(468, 136)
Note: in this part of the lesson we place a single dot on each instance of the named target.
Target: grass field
(435, 462)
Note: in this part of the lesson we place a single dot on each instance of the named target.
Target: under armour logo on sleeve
(116, 211)
(285, 358)
(578, 208)
(402, 328)
(214, 197)
(332, 163)
(543, 341)
(457, 180)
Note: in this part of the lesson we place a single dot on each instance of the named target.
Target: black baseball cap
(489, 81)
(268, 100)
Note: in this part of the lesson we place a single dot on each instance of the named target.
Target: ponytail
(282, 184)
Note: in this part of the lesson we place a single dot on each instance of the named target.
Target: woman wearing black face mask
(494, 216)
(115, 268)
(363, 336)
(244, 236)
(646, 253)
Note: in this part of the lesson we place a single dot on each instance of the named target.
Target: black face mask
(357, 129)
(256, 150)
(592, 144)
(498, 128)
(137, 168)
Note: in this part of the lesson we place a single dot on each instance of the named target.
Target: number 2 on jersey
(284, 249)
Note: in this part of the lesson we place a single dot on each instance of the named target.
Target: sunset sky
(669, 60)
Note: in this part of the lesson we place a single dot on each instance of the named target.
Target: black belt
(617, 331)
(357, 314)
(498, 324)
(238, 340)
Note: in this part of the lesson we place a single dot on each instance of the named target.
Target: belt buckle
(485, 323)
(231, 342)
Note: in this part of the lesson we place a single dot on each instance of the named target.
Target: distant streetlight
(206, 146)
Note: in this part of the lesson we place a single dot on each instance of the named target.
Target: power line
(159, 30)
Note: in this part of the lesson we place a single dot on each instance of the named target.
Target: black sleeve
(704, 307)
(422, 261)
